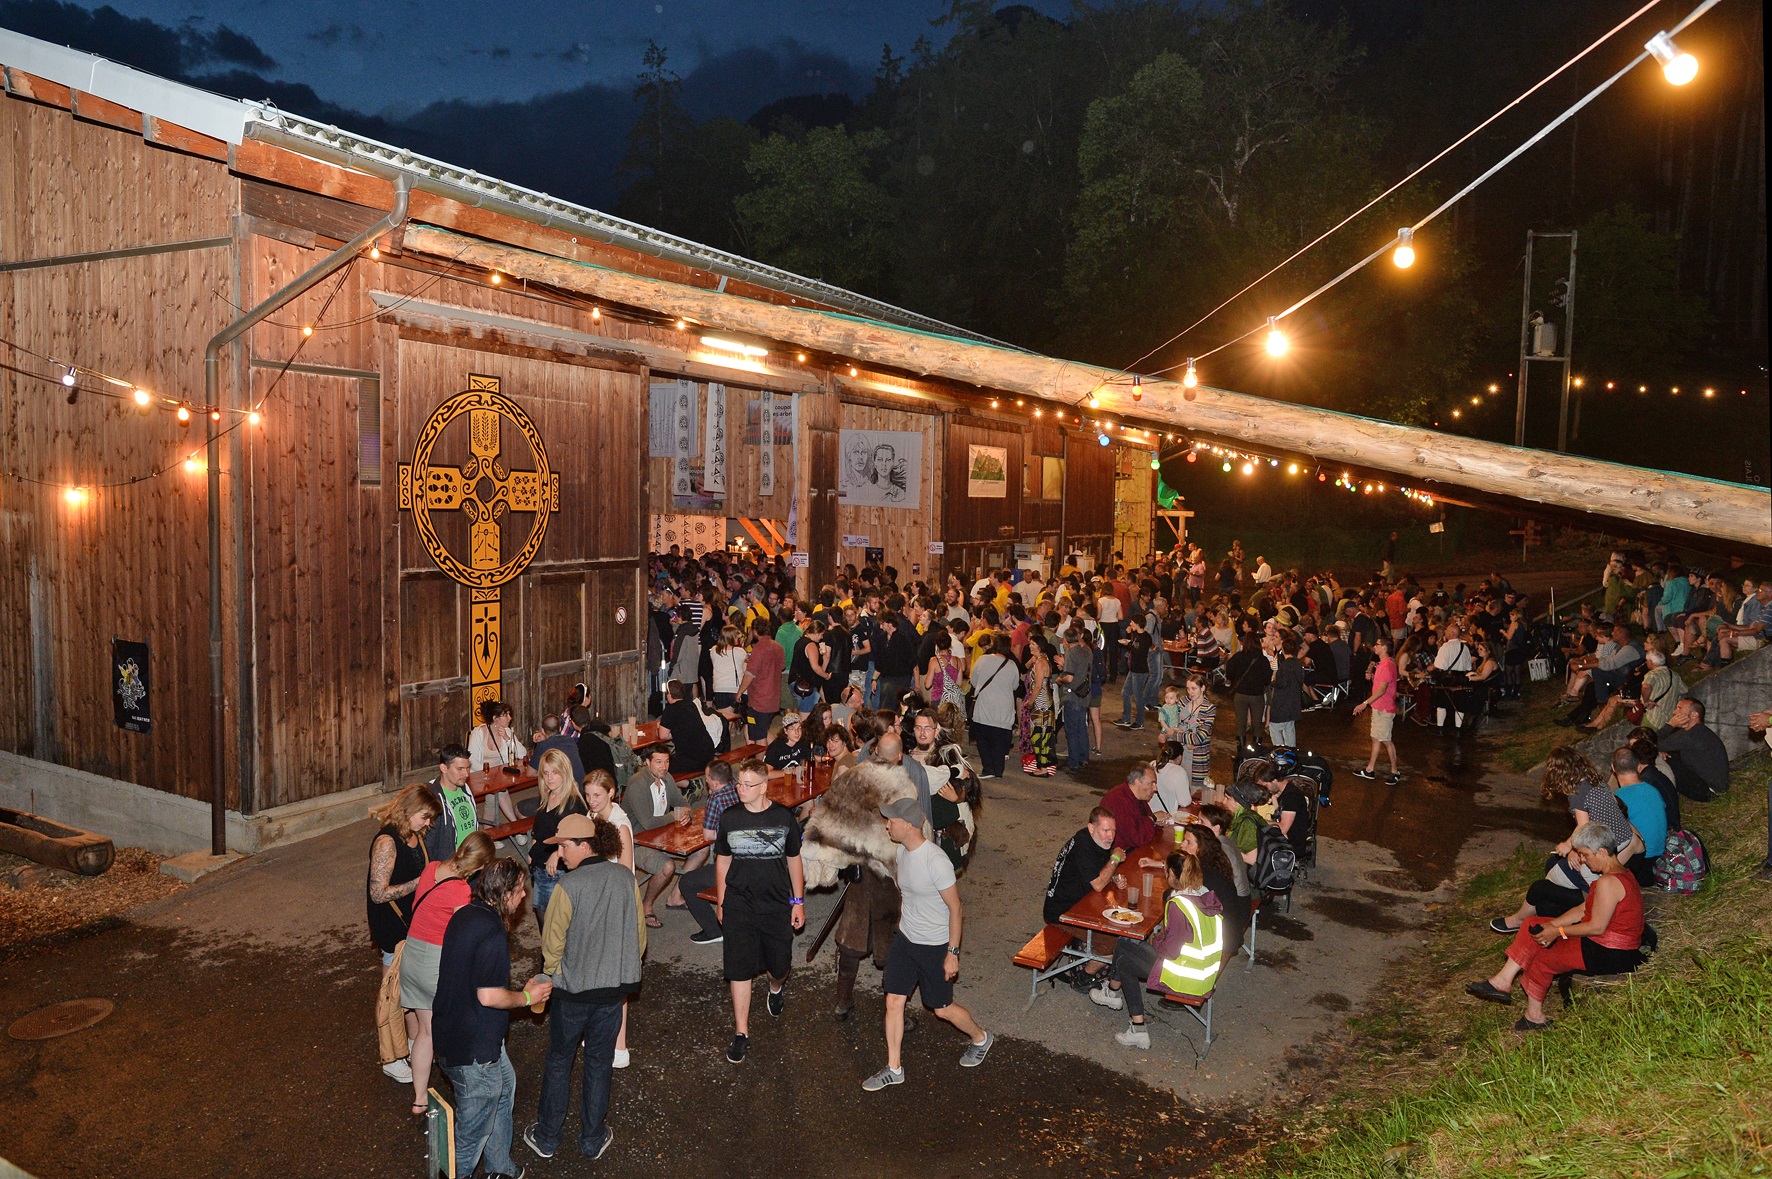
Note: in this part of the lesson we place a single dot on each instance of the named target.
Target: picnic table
(685, 839)
(497, 779)
(1088, 914)
(646, 735)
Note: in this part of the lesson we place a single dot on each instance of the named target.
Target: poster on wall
(783, 415)
(713, 475)
(130, 686)
(662, 425)
(987, 472)
(691, 534)
(683, 422)
(766, 468)
(880, 468)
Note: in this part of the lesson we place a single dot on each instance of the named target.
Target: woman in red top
(1602, 936)
(442, 889)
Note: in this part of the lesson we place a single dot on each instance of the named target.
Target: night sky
(399, 55)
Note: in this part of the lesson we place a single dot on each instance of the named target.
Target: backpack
(1275, 861)
(627, 762)
(1684, 865)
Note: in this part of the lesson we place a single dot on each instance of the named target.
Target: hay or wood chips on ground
(58, 903)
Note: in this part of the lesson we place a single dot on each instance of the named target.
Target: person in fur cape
(847, 838)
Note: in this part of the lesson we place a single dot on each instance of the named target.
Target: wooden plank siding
(904, 532)
(130, 563)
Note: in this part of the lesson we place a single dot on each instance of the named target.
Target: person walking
(994, 679)
(1383, 703)
(590, 950)
(759, 897)
(925, 956)
(472, 1015)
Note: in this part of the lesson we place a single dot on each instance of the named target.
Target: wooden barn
(418, 478)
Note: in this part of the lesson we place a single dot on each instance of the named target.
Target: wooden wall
(1088, 496)
(744, 462)
(131, 562)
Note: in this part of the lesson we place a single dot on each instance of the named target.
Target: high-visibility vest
(1194, 969)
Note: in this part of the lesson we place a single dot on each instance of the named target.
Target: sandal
(418, 1111)
(652, 922)
(1523, 1024)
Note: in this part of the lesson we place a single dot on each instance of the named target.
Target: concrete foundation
(193, 866)
(166, 824)
(1729, 695)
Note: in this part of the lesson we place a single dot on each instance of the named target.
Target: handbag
(390, 1019)
(972, 696)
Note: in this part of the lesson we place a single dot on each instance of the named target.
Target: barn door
(821, 521)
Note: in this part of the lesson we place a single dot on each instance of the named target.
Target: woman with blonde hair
(559, 797)
(396, 858)
(442, 889)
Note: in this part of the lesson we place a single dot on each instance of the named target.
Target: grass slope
(1667, 1075)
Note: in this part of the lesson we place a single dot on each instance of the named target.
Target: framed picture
(987, 472)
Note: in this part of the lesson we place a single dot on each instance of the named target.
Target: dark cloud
(169, 52)
(333, 36)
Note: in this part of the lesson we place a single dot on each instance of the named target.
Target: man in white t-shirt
(1264, 572)
(926, 953)
(1029, 588)
(1113, 626)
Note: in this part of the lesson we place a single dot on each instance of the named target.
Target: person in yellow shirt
(984, 632)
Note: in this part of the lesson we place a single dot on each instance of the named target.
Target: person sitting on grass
(1603, 935)
(1181, 958)
(1568, 774)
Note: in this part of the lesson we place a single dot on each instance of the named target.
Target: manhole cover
(46, 1023)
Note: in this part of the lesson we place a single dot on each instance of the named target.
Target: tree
(816, 210)
(656, 139)
(1631, 317)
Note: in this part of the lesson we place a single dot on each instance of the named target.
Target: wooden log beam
(1685, 504)
(48, 842)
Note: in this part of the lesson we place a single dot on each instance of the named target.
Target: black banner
(130, 686)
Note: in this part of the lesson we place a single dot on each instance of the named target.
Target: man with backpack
(1271, 859)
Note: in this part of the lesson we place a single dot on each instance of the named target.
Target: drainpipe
(218, 793)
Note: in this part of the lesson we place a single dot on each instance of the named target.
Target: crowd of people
(873, 671)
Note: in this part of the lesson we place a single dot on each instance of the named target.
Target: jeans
(1132, 966)
(809, 701)
(1153, 682)
(1076, 732)
(993, 747)
(1113, 631)
(1132, 698)
(870, 687)
(692, 883)
(543, 883)
(571, 1023)
(1250, 710)
(485, 1095)
(1282, 733)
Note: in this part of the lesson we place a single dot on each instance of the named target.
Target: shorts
(652, 861)
(913, 967)
(1747, 643)
(755, 942)
(1383, 723)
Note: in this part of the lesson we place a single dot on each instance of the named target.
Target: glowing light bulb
(682, 325)
(1677, 67)
(253, 418)
(375, 253)
(1103, 439)
(596, 315)
(75, 496)
(184, 415)
(1137, 389)
(307, 329)
(1322, 478)
(1292, 468)
(142, 397)
(1276, 339)
(1404, 254)
(68, 377)
(993, 403)
(1227, 466)
(215, 415)
(853, 371)
(497, 278)
(1094, 401)
(1248, 468)
(1457, 413)
(193, 465)
(1494, 388)
(1156, 463)
(1192, 457)
(1191, 378)
(1710, 392)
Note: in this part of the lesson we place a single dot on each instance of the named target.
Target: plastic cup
(1132, 895)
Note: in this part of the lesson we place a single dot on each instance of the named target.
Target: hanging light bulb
(1094, 401)
(142, 397)
(76, 496)
(253, 418)
(375, 253)
(1677, 67)
(596, 315)
(1137, 388)
(1156, 463)
(214, 414)
(1192, 457)
(68, 377)
(184, 415)
(1404, 254)
(307, 329)
(193, 465)
(497, 278)
(1103, 439)
(1276, 339)
(1292, 468)
(1227, 466)
(1189, 380)
(1248, 468)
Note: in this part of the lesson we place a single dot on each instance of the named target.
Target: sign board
(852, 541)
(799, 560)
(876, 556)
(937, 548)
(1437, 526)
(130, 686)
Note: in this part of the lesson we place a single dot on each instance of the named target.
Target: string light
(1292, 468)
(597, 317)
(1094, 401)
(1192, 457)
(214, 414)
(253, 418)
(1276, 339)
(142, 397)
(1678, 68)
(497, 278)
(1404, 254)
(307, 329)
(68, 378)
(1156, 463)
(1248, 468)
(1227, 467)
(184, 415)
(76, 496)
(375, 253)
(1191, 379)
(1103, 439)
(682, 325)
(1497, 388)
(194, 465)
(1137, 388)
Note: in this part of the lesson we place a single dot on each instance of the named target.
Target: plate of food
(1122, 916)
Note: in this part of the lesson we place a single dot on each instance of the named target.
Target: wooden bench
(521, 826)
(1041, 951)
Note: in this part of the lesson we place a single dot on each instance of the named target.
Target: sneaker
(775, 1001)
(622, 1058)
(1394, 780)
(1106, 996)
(608, 1141)
(975, 1053)
(507, 1175)
(530, 1142)
(1368, 775)
(883, 1078)
(1136, 1035)
(400, 1070)
(702, 937)
(740, 1045)
(1120, 724)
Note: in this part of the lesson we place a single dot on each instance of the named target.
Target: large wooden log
(1685, 504)
(48, 842)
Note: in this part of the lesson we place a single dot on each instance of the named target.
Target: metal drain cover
(59, 1019)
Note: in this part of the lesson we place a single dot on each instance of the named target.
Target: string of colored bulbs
(1251, 463)
(1495, 387)
(1677, 66)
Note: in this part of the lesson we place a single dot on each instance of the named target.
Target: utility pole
(1539, 342)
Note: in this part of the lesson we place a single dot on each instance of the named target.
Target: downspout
(218, 793)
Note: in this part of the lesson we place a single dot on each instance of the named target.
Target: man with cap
(590, 950)
(926, 953)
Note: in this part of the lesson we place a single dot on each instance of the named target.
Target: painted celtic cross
(484, 490)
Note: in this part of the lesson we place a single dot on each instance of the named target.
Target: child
(1169, 715)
